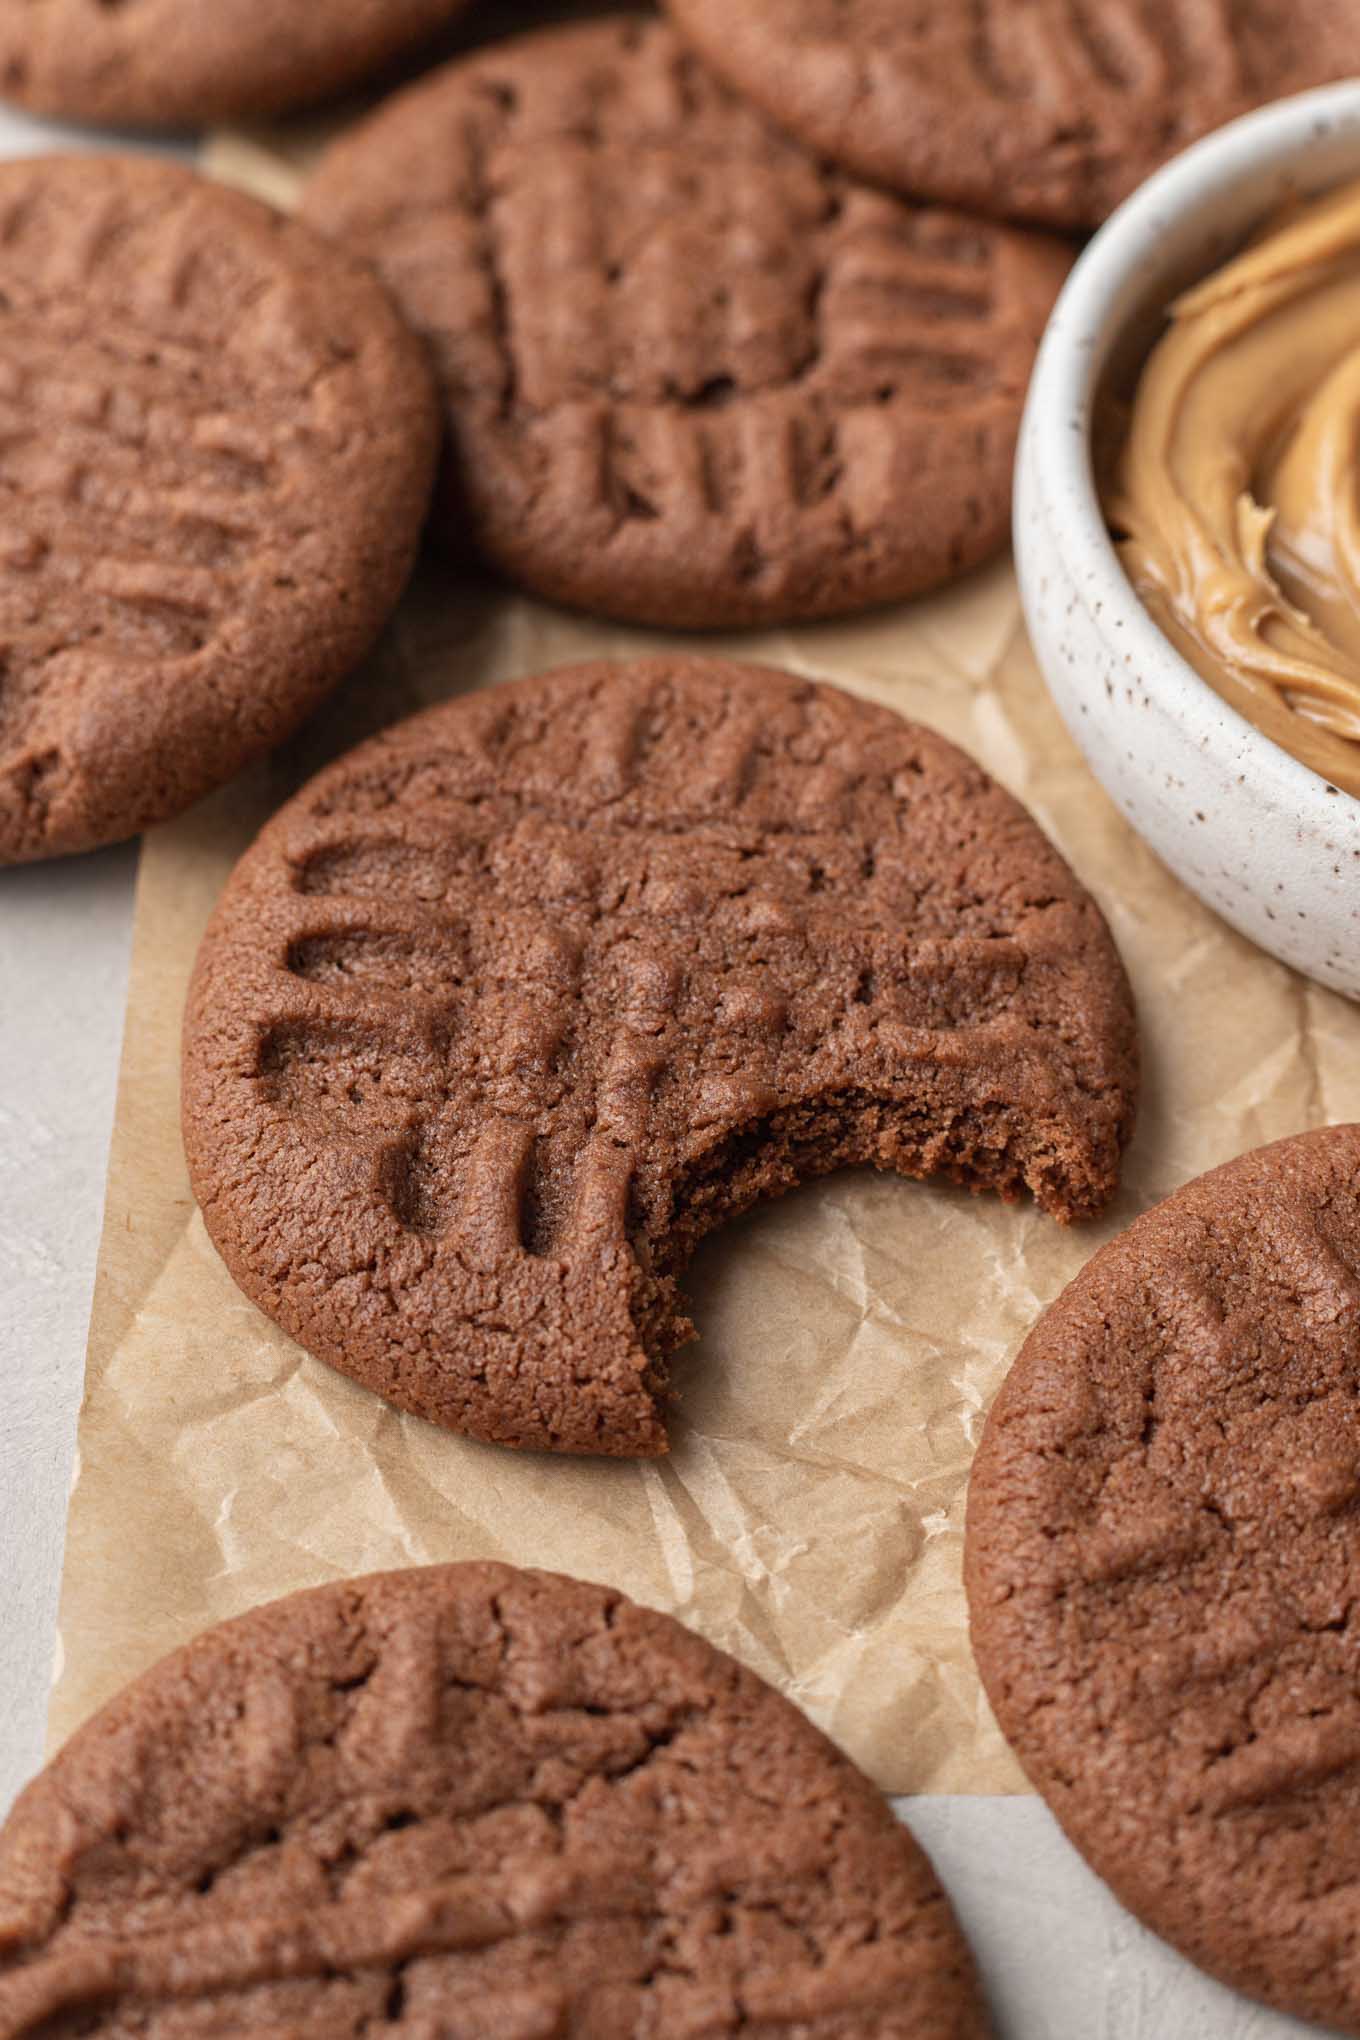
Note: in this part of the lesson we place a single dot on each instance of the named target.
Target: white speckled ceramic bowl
(1261, 838)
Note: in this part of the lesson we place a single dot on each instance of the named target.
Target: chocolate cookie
(217, 443)
(184, 63)
(693, 376)
(511, 1005)
(1046, 110)
(1163, 1561)
(465, 1801)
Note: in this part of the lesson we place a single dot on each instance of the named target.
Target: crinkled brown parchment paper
(810, 1517)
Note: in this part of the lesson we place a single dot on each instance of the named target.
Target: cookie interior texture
(511, 1006)
(693, 376)
(218, 448)
(1162, 1559)
(1051, 111)
(187, 63)
(472, 1801)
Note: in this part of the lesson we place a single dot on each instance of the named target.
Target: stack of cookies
(703, 322)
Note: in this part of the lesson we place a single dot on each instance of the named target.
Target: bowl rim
(1093, 309)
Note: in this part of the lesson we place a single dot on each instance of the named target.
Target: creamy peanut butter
(1235, 494)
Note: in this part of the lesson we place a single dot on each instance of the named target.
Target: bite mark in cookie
(511, 1006)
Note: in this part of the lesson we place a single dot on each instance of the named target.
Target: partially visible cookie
(693, 376)
(1042, 110)
(217, 443)
(1163, 1566)
(509, 1007)
(467, 1801)
(186, 63)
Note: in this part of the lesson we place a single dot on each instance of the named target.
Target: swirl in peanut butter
(1237, 488)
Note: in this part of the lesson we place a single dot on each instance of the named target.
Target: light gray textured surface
(1061, 1960)
(64, 932)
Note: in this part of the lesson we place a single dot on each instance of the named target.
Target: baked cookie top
(1043, 110)
(1163, 1552)
(217, 443)
(186, 63)
(693, 376)
(507, 1008)
(467, 1800)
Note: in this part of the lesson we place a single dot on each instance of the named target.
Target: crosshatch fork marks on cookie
(1050, 111)
(215, 442)
(125, 484)
(693, 374)
(1164, 1528)
(1080, 51)
(466, 1800)
(509, 1008)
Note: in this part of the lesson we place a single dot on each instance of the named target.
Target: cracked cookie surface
(693, 376)
(507, 1008)
(1043, 110)
(1163, 1568)
(186, 63)
(216, 448)
(467, 1800)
